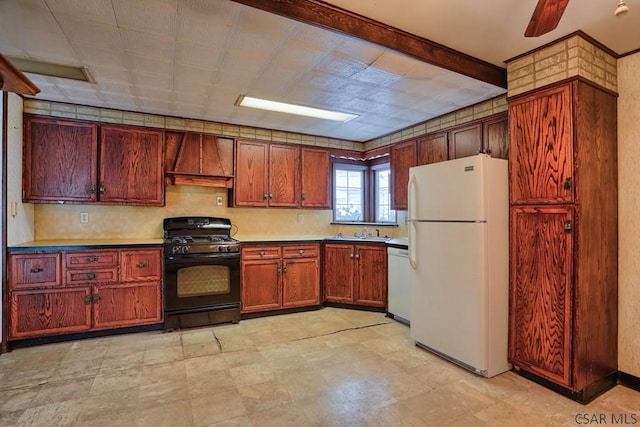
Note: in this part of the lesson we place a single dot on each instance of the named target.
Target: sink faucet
(377, 232)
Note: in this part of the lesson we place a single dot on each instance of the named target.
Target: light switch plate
(84, 217)
(219, 200)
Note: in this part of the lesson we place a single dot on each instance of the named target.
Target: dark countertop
(71, 244)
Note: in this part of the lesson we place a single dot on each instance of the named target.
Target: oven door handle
(195, 257)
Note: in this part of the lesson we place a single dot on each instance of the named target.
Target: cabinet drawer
(91, 260)
(35, 270)
(91, 277)
(261, 252)
(300, 251)
(141, 265)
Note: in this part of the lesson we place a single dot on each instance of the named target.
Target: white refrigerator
(458, 224)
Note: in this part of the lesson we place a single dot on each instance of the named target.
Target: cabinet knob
(568, 227)
(91, 276)
(92, 189)
(284, 269)
(141, 265)
(265, 196)
(92, 259)
(87, 299)
(302, 197)
(270, 196)
(357, 256)
(279, 269)
(351, 255)
(96, 298)
(101, 189)
(301, 251)
(568, 183)
(261, 253)
(36, 270)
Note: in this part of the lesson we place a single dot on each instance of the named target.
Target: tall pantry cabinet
(563, 227)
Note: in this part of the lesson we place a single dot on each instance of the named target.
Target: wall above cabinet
(193, 158)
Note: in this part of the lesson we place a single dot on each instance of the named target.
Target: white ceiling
(192, 58)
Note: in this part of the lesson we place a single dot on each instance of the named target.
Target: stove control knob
(221, 248)
(185, 249)
(175, 249)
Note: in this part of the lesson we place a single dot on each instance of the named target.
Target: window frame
(369, 168)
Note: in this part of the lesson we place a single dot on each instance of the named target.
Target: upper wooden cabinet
(433, 148)
(541, 129)
(280, 175)
(315, 169)
(465, 140)
(283, 182)
(403, 156)
(65, 161)
(60, 161)
(193, 158)
(131, 166)
(495, 136)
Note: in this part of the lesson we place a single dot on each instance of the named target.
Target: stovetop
(193, 235)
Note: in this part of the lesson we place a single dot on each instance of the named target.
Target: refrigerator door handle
(412, 248)
(412, 194)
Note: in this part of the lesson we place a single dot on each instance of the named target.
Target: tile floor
(331, 367)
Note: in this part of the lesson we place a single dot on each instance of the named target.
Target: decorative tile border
(569, 57)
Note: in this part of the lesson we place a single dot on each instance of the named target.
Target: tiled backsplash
(137, 222)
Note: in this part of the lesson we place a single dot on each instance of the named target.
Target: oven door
(198, 281)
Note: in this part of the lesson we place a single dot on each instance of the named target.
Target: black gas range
(202, 272)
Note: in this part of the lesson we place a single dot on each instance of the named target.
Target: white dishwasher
(399, 307)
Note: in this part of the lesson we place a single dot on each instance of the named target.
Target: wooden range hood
(193, 158)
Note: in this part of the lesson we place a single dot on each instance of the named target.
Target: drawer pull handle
(141, 265)
(91, 276)
(36, 270)
(92, 259)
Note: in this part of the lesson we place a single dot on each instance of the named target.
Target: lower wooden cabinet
(83, 291)
(356, 274)
(282, 276)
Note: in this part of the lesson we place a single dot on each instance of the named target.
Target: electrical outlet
(300, 218)
(219, 200)
(84, 217)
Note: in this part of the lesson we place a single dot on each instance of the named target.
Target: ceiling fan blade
(546, 17)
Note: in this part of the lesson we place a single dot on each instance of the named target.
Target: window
(362, 192)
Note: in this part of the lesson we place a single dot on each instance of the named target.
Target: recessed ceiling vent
(51, 69)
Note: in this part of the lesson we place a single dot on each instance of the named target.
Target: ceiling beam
(325, 15)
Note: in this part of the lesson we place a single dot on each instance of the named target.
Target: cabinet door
(541, 154)
(122, 305)
(284, 161)
(433, 148)
(541, 292)
(371, 276)
(496, 136)
(403, 156)
(300, 282)
(250, 188)
(131, 166)
(35, 270)
(465, 141)
(50, 312)
(339, 272)
(138, 265)
(60, 160)
(315, 170)
(261, 286)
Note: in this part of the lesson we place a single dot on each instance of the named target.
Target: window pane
(384, 213)
(349, 195)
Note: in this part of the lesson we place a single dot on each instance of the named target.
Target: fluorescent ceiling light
(51, 69)
(281, 107)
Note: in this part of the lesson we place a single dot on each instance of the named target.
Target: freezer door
(448, 290)
(453, 190)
